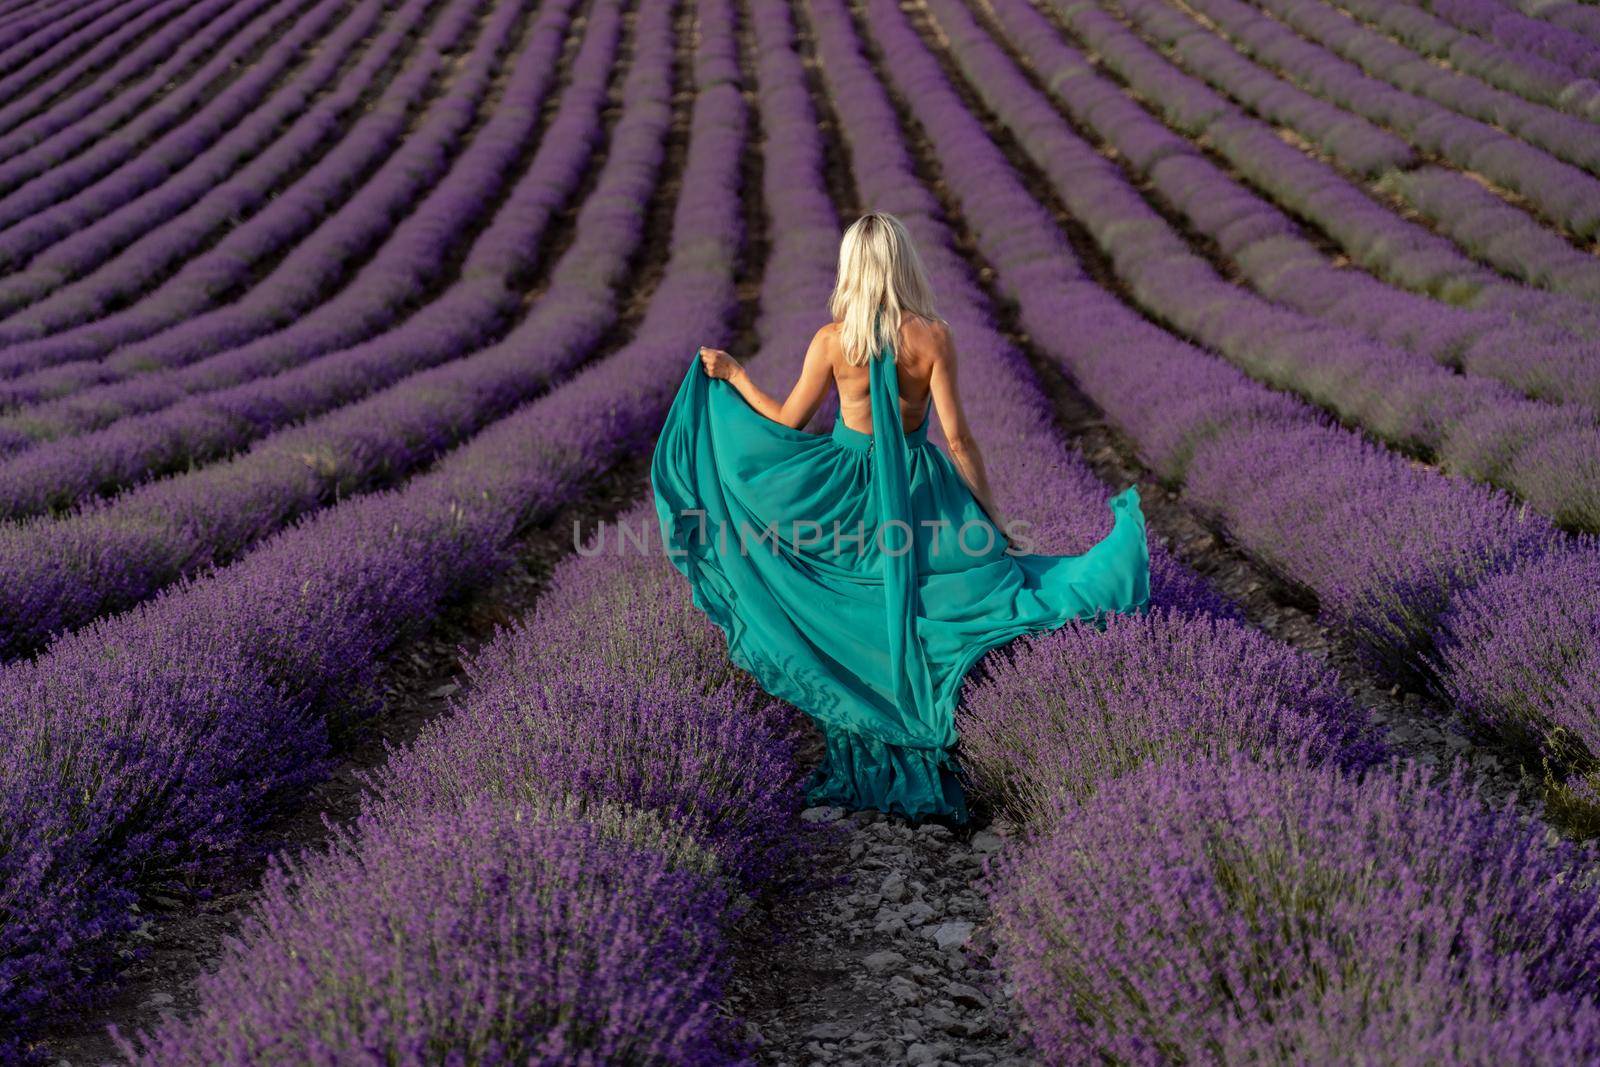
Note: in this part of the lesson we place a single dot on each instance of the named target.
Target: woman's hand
(718, 364)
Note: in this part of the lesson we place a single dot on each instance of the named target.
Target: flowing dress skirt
(856, 576)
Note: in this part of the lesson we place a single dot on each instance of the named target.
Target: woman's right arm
(964, 451)
(803, 400)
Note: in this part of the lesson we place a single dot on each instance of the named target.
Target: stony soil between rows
(887, 962)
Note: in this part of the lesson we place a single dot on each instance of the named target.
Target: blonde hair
(879, 271)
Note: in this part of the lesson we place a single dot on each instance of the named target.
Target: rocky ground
(888, 961)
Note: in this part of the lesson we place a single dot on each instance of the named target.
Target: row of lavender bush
(1499, 233)
(302, 269)
(1392, 552)
(1476, 426)
(139, 42)
(151, 744)
(84, 152)
(616, 626)
(578, 930)
(1405, 253)
(77, 568)
(1134, 947)
(1562, 193)
(412, 251)
(1566, 137)
(339, 162)
(419, 250)
(189, 158)
(1568, 14)
(1498, 61)
(615, 698)
(1505, 24)
(229, 199)
(278, 299)
(1224, 909)
(1267, 245)
(45, 38)
(106, 219)
(15, 8)
(1208, 875)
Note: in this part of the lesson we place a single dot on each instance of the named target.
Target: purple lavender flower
(1232, 912)
(1069, 711)
(498, 933)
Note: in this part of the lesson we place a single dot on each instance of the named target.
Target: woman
(861, 573)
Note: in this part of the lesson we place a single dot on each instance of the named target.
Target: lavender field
(339, 726)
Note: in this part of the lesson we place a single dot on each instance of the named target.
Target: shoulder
(826, 340)
(931, 336)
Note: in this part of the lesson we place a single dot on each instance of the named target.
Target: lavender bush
(183, 523)
(1568, 15)
(1230, 912)
(1555, 333)
(82, 153)
(618, 689)
(1560, 191)
(1517, 654)
(493, 934)
(309, 616)
(1503, 59)
(415, 252)
(30, 86)
(42, 38)
(1072, 710)
(291, 374)
(1497, 232)
(231, 127)
(301, 278)
(1522, 34)
(470, 311)
(1567, 137)
(212, 274)
(131, 46)
(1398, 250)
(1398, 396)
(234, 178)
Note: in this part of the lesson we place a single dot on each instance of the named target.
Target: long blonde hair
(879, 271)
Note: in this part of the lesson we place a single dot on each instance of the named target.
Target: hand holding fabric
(719, 365)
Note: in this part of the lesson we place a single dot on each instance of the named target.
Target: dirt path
(887, 963)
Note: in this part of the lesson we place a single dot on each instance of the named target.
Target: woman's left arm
(803, 399)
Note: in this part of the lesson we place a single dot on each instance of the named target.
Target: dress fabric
(856, 576)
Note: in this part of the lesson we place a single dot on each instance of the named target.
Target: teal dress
(856, 576)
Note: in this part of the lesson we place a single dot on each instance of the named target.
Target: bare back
(918, 349)
(925, 369)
